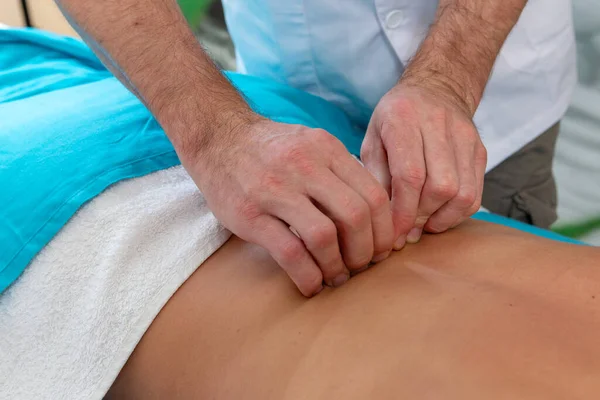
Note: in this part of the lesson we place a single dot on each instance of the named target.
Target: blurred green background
(194, 10)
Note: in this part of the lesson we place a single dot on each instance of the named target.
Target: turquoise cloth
(68, 130)
(534, 230)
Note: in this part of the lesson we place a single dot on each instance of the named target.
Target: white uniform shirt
(351, 52)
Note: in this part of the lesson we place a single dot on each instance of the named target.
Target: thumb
(374, 157)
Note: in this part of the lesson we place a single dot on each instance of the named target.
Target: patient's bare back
(479, 312)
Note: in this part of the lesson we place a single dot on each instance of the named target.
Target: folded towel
(70, 322)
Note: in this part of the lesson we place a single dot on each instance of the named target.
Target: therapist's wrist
(441, 68)
(198, 109)
(198, 132)
(457, 56)
(451, 90)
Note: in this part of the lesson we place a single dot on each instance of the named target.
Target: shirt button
(394, 19)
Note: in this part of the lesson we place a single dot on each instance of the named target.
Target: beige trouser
(523, 187)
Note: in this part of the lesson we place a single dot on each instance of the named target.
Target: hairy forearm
(147, 45)
(459, 52)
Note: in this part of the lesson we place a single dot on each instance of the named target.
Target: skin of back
(482, 311)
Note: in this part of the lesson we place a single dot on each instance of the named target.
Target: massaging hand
(423, 147)
(267, 177)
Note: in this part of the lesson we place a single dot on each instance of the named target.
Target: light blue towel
(68, 130)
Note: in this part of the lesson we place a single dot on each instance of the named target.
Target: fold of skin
(482, 311)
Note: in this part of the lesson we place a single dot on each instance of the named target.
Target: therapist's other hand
(422, 145)
(264, 177)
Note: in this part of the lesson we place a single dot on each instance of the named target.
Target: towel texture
(70, 322)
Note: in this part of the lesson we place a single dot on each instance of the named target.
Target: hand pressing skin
(264, 177)
(421, 143)
(293, 190)
(424, 149)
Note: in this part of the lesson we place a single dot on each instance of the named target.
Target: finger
(372, 192)
(442, 182)
(407, 167)
(457, 208)
(375, 159)
(289, 252)
(480, 166)
(351, 215)
(319, 234)
(466, 200)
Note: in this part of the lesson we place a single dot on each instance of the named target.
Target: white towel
(70, 322)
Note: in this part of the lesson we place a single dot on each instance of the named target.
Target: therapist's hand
(263, 180)
(421, 144)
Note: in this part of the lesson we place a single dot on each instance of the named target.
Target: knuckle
(466, 196)
(357, 216)
(474, 207)
(377, 197)
(323, 235)
(412, 176)
(446, 187)
(291, 251)
(322, 135)
(400, 106)
(248, 210)
(269, 181)
(300, 157)
(481, 154)
(266, 188)
(466, 126)
(325, 138)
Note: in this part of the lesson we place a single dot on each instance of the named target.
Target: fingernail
(400, 242)
(381, 256)
(414, 235)
(340, 280)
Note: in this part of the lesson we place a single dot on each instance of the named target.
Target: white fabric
(70, 322)
(351, 52)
